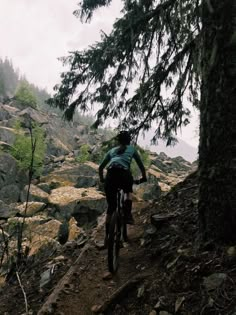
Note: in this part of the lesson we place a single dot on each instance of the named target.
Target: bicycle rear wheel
(124, 231)
(114, 243)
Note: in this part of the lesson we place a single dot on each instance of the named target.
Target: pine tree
(178, 45)
(25, 96)
(217, 150)
(8, 79)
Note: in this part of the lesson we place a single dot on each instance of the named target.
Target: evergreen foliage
(25, 96)
(8, 79)
(154, 46)
(22, 148)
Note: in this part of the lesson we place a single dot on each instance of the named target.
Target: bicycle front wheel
(114, 243)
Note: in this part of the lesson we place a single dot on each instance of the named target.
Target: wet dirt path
(85, 286)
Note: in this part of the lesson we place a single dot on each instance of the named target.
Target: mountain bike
(117, 231)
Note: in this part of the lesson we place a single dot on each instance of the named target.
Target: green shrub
(22, 149)
(145, 159)
(84, 154)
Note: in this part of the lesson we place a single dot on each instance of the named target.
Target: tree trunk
(217, 149)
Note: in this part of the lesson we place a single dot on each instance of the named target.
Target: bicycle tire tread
(111, 243)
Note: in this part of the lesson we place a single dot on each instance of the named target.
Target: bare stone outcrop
(12, 179)
(33, 207)
(76, 174)
(34, 115)
(6, 211)
(7, 135)
(35, 194)
(30, 224)
(84, 204)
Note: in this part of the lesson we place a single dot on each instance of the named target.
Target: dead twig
(23, 291)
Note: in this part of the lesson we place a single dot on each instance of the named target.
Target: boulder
(56, 147)
(164, 187)
(42, 245)
(148, 191)
(86, 181)
(32, 114)
(7, 135)
(10, 193)
(30, 224)
(45, 187)
(7, 114)
(4, 114)
(6, 211)
(33, 207)
(8, 169)
(10, 172)
(35, 194)
(73, 174)
(151, 192)
(74, 230)
(59, 159)
(49, 229)
(84, 204)
(5, 146)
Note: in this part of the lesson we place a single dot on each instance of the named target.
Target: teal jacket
(124, 159)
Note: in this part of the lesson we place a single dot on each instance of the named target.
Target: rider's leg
(110, 191)
(128, 189)
(128, 208)
(128, 200)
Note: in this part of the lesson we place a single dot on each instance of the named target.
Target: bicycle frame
(120, 209)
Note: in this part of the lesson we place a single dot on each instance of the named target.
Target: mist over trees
(12, 84)
(9, 78)
(16, 87)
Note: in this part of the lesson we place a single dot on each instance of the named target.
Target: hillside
(164, 269)
(59, 212)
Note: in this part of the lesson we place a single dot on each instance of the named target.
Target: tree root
(119, 293)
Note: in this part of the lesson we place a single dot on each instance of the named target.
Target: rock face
(7, 135)
(12, 179)
(74, 173)
(35, 194)
(84, 204)
(6, 211)
(68, 195)
(33, 207)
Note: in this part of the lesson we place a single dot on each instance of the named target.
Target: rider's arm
(140, 165)
(105, 161)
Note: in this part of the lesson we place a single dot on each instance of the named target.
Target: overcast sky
(35, 33)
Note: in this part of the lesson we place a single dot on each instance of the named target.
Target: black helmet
(124, 137)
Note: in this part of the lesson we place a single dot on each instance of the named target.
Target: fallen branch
(119, 293)
(23, 291)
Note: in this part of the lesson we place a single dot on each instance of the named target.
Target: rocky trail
(164, 270)
(88, 288)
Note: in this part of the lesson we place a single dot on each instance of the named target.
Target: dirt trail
(83, 286)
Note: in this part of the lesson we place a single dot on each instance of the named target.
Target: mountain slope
(182, 148)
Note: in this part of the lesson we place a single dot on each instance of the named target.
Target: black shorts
(117, 178)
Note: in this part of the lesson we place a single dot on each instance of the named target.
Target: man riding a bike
(119, 175)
